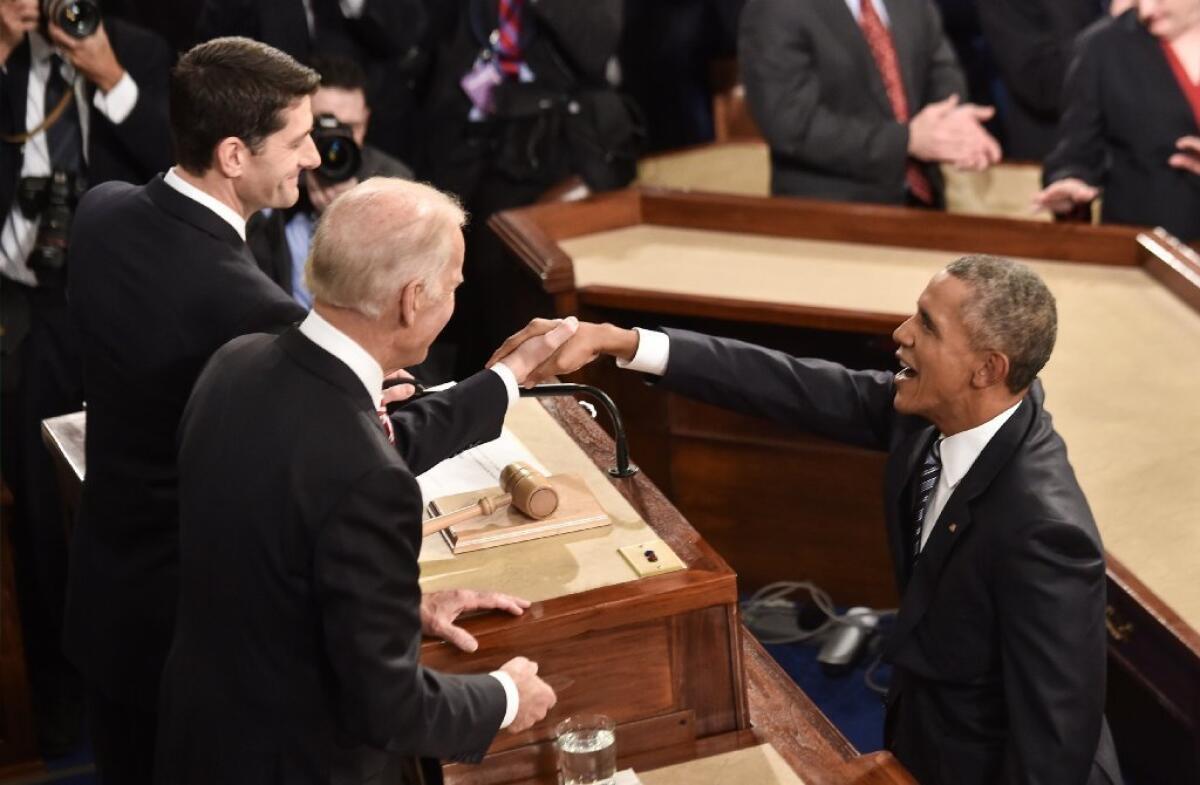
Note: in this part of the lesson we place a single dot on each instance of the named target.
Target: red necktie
(884, 51)
(508, 43)
(386, 422)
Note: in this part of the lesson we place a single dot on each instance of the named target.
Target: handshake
(554, 347)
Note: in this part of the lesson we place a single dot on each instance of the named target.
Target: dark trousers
(41, 378)
(122, 739)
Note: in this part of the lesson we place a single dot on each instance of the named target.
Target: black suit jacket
(387, 28)
(135, 149)
(1124, 112)
(296, 656)
(814, 89)
(999, 645)
(1031, 42)
(157, 283)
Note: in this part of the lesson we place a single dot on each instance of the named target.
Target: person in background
(280, 239)
(1130, 132)
(858, 100)
(74, 112)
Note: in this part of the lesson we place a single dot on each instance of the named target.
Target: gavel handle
(485, 506)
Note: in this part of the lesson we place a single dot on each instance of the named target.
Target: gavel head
(531, 491)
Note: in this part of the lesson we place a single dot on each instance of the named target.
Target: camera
(77, 18)
(54, 199)
(341, 157)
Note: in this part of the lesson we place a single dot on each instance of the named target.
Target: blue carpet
(845, 699)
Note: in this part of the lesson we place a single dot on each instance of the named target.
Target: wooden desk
(834, 280)
(666, 656)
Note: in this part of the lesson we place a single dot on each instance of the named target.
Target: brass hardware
(1118, 630)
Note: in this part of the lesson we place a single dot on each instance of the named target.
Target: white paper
(477, 468)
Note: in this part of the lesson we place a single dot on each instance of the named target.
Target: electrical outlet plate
(652, 557)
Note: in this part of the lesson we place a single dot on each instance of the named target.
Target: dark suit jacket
(296, 656)
(157, 283)
(999, 645)
(132, 151)
(816, 93)
(265, 234)
(1124, 112)
(387, 28)
(1031, 42)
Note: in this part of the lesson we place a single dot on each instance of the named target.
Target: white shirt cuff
(510, 382)
(512, 698)
(118, 102)
(653, 351)
(352, 9)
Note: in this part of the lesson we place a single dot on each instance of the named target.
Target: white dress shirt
(318, 330)
(959, 451)
(223, 211)
(19, 234)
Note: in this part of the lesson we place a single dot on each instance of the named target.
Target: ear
(230, 156)
(412, 299)
(993, 371)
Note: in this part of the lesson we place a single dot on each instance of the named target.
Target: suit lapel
(16, 88)
(904, 39)
(190, 211)
(846, 28)
(324, 365)
(955, 521)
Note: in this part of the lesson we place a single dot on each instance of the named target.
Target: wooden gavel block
(524, 488)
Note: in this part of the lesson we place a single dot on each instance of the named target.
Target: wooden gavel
(528, 490)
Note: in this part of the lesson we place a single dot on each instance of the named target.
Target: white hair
(378, 237)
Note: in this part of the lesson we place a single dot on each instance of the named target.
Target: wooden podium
(666, 655)
(834, 280)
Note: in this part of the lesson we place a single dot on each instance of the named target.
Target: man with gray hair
(998, 650)
(297, 644)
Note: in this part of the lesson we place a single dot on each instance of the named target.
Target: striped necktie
(508, 42)
(931, 469)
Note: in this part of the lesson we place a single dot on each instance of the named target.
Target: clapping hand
(1063, 196)
(948, 132)
(1188, 157)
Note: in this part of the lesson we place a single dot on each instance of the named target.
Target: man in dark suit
(296, 655)
(858, 99)
(1032, 41)
(999, 645)
(112, 126)
(160, 277)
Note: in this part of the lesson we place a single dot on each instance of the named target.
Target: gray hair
(1010, 311)
(377, 238)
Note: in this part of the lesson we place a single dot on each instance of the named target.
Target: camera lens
(340, 156)
(77, 18)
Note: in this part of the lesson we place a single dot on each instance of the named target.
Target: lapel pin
(953, 528)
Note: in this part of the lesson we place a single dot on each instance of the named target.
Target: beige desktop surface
(556, 566)
(1123, 384)
(760, 765)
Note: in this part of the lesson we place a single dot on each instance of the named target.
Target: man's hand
(589, 342)
(1188, 159)
(321, 192)
(92, 56)
(17, 17)
(440, 610)
(946, 132)
(524, 356)
(1063, 196)
(399, 392)
(535, 698)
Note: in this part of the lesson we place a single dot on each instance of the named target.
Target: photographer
(83, 102)
(280, 239)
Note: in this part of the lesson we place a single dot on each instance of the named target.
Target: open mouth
(906, 371)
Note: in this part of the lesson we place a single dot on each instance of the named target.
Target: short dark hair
(1010, 310)
(231, 87)
(339, 72)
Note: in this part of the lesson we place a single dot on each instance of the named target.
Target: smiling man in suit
(999, 646)
(859, 99)
(297, 654)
